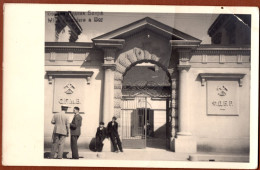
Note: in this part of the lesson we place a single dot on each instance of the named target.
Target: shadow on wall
(158, 140)
(160, 132)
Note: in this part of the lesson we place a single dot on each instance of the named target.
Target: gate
(133, 122)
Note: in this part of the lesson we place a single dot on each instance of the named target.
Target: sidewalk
(157, 155)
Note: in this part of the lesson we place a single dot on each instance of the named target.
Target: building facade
(167, 89)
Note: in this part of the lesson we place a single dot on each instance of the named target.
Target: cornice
(109, 43)
(222, 76)
(222, 49)
(54, 74)
(185, 44)
(68, 47)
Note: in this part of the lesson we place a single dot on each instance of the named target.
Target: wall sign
(222, 97)
(69, 91)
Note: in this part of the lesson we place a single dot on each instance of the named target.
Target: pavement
(157, 155)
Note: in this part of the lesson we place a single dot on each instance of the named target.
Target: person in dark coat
(75, 126)
(100, 136)
(112, 129)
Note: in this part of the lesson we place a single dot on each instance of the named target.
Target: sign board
(69, 91)
(222, 97)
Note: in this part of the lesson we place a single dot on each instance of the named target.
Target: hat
(65, 106)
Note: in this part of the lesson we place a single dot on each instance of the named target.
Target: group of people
(62, 127)
(112, 132)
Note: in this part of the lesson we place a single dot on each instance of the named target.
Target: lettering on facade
(222, 92)
(222, 98)
(69, 91)
(69, 101)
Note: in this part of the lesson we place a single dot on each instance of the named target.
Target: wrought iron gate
(134, 121)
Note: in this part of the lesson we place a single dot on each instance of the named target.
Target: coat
(75, 125)
(61, 122)
(101, 134)
(112, 129)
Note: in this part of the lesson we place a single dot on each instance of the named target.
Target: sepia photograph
(130, 86)
(147, 86)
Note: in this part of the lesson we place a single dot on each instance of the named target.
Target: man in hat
(75, 132)
(112, 129)
(60, 132)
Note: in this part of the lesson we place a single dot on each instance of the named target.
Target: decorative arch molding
(125, 62)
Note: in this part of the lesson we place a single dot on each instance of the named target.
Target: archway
(126, 62)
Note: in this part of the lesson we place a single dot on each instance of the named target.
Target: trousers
(116, 142)
(74, 146)
(99, 144)
(57, 145)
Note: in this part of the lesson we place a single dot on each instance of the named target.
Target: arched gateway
(147, 40)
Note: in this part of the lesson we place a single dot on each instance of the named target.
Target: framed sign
(69, 91)
(222, 97)
(222, 92)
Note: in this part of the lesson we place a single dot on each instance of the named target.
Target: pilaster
(183, 141)
(108, 99)
(110, 48)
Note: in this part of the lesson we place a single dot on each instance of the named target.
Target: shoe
(121, 151)
(116, 151)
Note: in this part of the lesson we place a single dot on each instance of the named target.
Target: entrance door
(134, 120)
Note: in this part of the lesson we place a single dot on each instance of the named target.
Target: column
(110, 47)
(184, 141)
(108, 101)
(183, 101)
(108, 98)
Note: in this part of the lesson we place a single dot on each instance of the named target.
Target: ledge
(222, 76)
(113, 43)
(185, 44)
(54, 74)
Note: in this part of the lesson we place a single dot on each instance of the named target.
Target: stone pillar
(108, 98)
(183, 101)
(184, 141)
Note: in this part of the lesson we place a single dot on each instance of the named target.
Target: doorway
(139, 128)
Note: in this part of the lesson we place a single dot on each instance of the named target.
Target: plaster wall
(219, 133)
(92, 109)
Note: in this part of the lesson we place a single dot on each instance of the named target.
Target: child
(100, 136)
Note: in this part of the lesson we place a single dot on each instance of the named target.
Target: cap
(64, 105)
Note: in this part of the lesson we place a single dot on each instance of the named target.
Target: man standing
(112, 129)
(60, 132)
(75, 133)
